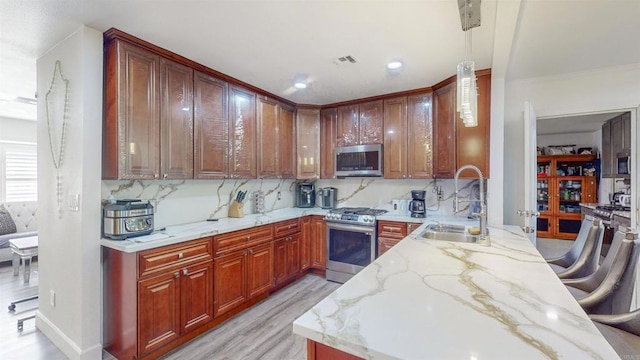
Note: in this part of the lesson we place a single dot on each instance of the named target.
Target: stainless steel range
(605, 213)
(351, 241)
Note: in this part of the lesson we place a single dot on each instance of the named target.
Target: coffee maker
(305, 195)
(416, 205)
(328, 197)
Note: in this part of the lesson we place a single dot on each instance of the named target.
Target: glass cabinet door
(569, 195)
(543, 195)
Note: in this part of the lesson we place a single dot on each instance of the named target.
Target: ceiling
(573, 124)
(268, 43)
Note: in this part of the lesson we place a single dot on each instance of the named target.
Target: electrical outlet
(74, 202)
(279, 195)
(440, 195)
(52, 298)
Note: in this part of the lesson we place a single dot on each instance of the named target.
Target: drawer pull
(180, 255)
(176, 274)
(251, 251)
(248, 237)
(244, 253)
(185, 272)
(288, 226)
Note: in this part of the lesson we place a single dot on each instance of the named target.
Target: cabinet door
(318, 243)
(626, 131)
(473, 142)
(384, 244)
(138, 113)
(158, 311)
(230, 285)
(242, 133)
(395, 138)
(607, 153)
(420, 136)
(348, 128)
(371, 122)
(293, 255)
(196, 288)
(211, 127)
(260, 269)
(617, 137)
(176, 120)
(308, 144)
(544, 227)
(267, 121)
(279, 261)
(286, 153)
(328, 137)
(411, 227)
(306, 232)
(444, 129)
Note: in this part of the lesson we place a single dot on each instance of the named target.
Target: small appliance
(416, 205)
(305, 195)
(328, 197)
(624, 163)
(358, 160)
(127, 218)
(624, 200)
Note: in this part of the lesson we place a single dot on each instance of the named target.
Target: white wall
(584, 139)
(17, 130)
(69, 250)
(575, 93)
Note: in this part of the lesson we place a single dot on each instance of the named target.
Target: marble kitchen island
(429, 299)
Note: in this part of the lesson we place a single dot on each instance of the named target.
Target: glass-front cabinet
(564, 181)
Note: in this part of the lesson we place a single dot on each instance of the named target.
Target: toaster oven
(127, 218)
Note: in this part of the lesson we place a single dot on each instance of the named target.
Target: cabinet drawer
(242, 239)
(154, 260)
(411, 227)
(392, 229)
(287, 227)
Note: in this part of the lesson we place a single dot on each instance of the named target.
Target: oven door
(350, 247)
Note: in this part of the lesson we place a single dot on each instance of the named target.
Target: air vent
(348, 59)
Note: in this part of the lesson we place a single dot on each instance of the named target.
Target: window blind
(21, 175)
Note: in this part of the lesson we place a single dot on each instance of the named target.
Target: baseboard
(64, 343)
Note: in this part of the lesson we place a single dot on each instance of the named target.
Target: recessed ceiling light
(394, 65)
(300, 85)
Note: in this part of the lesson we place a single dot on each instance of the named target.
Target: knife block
(235, 210)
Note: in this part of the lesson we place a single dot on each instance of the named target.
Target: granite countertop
(443, 300)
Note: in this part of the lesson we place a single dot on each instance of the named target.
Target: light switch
(74, 202)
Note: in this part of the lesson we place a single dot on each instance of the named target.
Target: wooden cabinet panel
(473, 142)
(242, 239)
(286, 142)
(286, 258)
(279, 261)
(211, 150)
(158, 311)
(286, 227)
(308, 144)
(420, 136)
(230, 285)
(171, 257)
(260, 269)
(608, 159)
(293, 255)
(306, 232)
(348, 128)
(318, 243)
(384, 244)
(392, 229)
(395, 138)
(131, 144)
(328, 138)
(444, 129)
(196, 291)
(176, 120)
(267, 116)
(371, 122)
(411, 227)
(242, 133)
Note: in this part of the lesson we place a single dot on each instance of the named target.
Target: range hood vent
(347, 59)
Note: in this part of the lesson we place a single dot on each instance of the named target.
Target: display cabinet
(564, 181)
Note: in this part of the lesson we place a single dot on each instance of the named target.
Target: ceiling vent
(343, 60)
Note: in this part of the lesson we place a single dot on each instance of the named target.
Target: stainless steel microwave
(358, 160)
(624, 163)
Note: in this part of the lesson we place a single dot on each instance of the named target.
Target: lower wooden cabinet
(391, 232)
(230, 287)
(286, 258)
(306, 232)
(159, 315)
(259, 270)
(196, 296)
(318, 243)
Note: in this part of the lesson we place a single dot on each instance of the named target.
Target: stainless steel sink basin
(455, 233)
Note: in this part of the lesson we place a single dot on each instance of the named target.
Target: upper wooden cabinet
(211, 127)
(276, 145)
(473, 142)
(444, 132)
(131, 129)
(242, 133)
(420, 136)
(308, 143)
(395, 138)
(360, 124)
(328, 137)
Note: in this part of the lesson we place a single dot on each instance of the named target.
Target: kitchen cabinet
(389, 234)
(260, 269)
(318, 242)
(286, 258)
(444, 132)
(395, 138)
(306, 233)
(211, 130)
(616, 139)
(420, 136)
(242, 133)
(156, 298)
(472, 143)
(276, 144)
(308, 143)
(608, 158)
(360, 124)
(561, 187)
(230, 287)
(328, 142)
(147, 132)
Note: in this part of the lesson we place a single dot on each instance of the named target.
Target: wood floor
(261, 332)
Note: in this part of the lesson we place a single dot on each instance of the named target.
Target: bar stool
(582, 259)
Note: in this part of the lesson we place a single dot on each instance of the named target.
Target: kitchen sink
(446, 232)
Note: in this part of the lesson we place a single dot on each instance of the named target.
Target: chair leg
(21, 321)
(12, 306)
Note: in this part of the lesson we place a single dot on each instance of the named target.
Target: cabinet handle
(244, 253)
(288, 227)
(409, 175)
(185, 272)
(248, 237)
(156, 176)
(164, 176)
(180, 255)
(176, 274)
(251, 251)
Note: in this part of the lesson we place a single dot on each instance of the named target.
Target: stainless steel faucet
(483, 206)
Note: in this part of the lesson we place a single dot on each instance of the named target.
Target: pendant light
(467, 96)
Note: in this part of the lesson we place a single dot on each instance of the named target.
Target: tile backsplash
(184, 201)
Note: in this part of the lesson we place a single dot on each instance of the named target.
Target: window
(19, 170)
